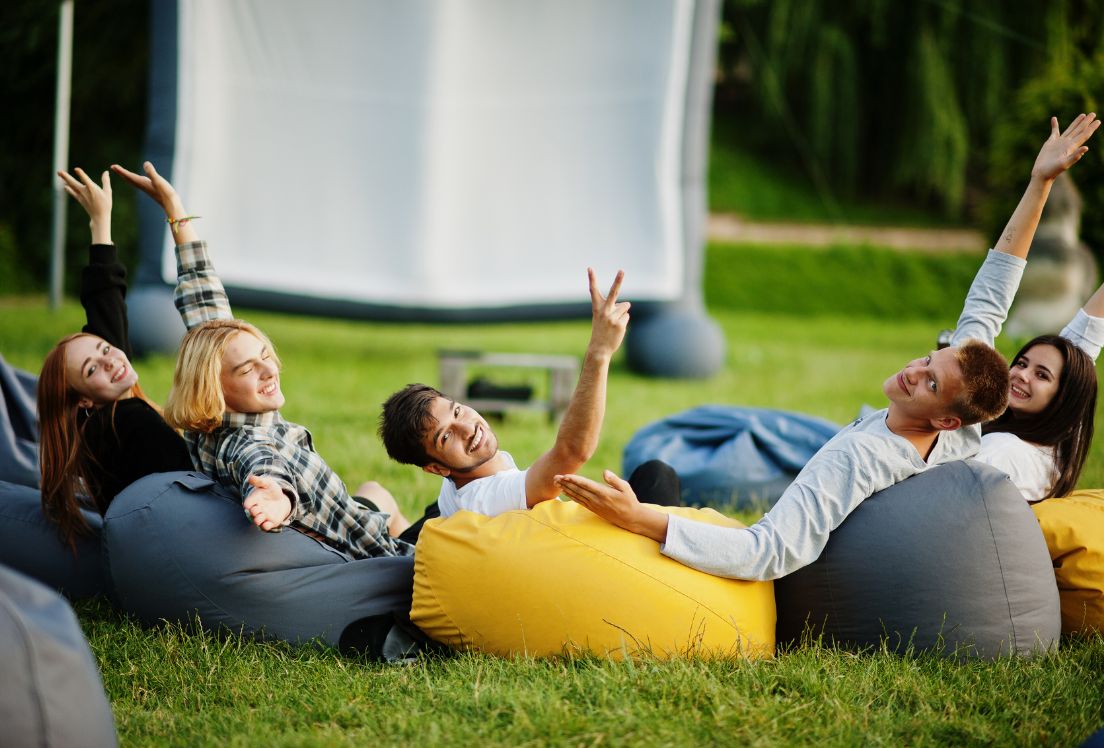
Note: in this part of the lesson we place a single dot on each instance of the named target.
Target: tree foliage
(107, 123)
(880, 97)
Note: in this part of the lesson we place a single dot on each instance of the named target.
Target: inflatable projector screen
(435, 159)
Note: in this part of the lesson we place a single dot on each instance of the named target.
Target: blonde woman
(226, 397)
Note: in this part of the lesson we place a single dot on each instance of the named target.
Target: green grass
(169, 686)
(839, 280)
(173, 687)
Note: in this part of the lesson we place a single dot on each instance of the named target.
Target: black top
(127, 442)
(130, 439)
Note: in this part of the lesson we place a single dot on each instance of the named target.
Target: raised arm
(1059, 153)
(1086, 329)
(582, 422)
(199, 294)
(996, 283)
(103, 279)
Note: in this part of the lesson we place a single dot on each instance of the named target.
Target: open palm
(1063, 150)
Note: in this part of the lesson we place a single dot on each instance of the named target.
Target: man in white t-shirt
(420, 426)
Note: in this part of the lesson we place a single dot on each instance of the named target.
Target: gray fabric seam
(996, 553)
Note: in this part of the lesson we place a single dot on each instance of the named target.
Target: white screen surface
(439, 154)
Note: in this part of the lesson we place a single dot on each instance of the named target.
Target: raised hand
(609, 317)
(94, 198)
(154, 185)
(267, 505)
(1063, 150)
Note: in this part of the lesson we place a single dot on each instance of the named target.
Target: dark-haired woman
(98, 430)
(1043, 438)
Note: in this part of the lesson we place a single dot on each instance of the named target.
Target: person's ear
(436, 468)
(84, 402)
(947, 423)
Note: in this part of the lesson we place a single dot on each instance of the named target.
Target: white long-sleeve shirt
(860, 460)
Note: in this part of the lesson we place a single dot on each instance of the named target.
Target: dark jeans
(656, 482)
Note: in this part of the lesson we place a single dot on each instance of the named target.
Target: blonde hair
(195, 402)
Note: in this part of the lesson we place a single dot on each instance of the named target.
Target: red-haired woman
(98, 430)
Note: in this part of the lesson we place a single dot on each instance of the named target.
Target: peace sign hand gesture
(609, 317)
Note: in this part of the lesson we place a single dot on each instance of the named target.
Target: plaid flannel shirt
(265, 444)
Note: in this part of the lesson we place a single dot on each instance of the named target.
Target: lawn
(826, 355)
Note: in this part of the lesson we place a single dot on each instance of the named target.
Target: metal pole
(61, 147)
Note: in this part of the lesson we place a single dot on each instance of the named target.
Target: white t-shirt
(1031, 466)
(493, 495)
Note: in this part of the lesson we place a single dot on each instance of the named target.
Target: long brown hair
(1066, 424)
(66, 462)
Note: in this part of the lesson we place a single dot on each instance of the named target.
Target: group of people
(99, 431)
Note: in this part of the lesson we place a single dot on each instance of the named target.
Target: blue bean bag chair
(951, 560)
(52, 693)
(29, 543)
(730, 456)
(178, 546)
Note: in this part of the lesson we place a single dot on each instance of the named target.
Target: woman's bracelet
(175, 223)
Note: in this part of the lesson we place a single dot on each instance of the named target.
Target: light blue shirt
(860, 460)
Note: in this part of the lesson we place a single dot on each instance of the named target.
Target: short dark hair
(985, 381)
(405, 421)
(1066, 424)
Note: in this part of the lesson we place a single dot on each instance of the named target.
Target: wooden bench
(563, 372)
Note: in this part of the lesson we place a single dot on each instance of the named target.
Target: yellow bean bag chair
(1074, 531)
(558, 580)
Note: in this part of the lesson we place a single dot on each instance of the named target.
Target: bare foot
(382, 498)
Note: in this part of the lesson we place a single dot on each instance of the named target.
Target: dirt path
(732, 228)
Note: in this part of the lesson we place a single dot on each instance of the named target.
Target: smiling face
(250, 378)
(925, 390)
(98, 371)
(458, 440)
(1035, 376)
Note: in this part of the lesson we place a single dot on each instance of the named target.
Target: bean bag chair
(950, 560)
(728, 456)
(178, 546)
(1074, 530)
(29, 543)
(557, 580)
(52, 693)
(18, 426)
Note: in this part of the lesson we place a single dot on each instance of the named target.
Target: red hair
(66, 462)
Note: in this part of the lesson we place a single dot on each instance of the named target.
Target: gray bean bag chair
(178, 546)
(52, 694)
(950, 560)
(730, 456)
(29, 543)
(18, 425)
